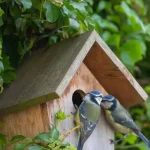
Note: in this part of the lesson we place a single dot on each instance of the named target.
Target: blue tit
(120, 119)
(88, 115)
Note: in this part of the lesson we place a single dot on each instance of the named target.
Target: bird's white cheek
(106, 105)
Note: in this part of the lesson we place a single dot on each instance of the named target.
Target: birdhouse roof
(46, 74)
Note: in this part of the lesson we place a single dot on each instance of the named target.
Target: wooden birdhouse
(55, 78)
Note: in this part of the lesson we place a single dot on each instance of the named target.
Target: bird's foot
(113, 141)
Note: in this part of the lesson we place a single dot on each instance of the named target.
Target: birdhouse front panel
(84, 81)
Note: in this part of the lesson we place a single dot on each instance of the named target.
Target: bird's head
(95, 96)
(109, 102)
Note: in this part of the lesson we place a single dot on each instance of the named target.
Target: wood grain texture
(113, 75)
(27, 122)
(85, 81)
(45, 75)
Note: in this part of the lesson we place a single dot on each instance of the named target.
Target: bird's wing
(124, 118)
(88, 125)
(87, 128)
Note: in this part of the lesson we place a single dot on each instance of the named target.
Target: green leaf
(81, 6)
(8, 76)
(1, 21)
(35, 147)
(54, 133)
(45, 137)
(28, 44)
(131, 52)
(6, 63)
(103, 23)
(1, 12)
(104, 5)
(69, 10)
(112, 39)
(1, 66)
(131, 139)
(17, 138)
(142, 146)
(136, 23)
(27, 4)
(3, 140)
(37, 4)
(20, 146)
(147, 88)
(52, 11)
(52, 39)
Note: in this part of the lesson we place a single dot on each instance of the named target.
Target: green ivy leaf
(81, 6)
(35, 147)
(131, 52)
(104, 24)
(69, 10)
(1, 66)
(54, 133)
(3, 140)
(130, 139)
(104, 5)
(8, 76)
(1, 11)
(6, 63)
(112, 39)
(136, 23)
(37, 4)
(27, 4)
(52, 39)
(20, 146)
(28, 44)
(45, 137)
(17, 138)
(52, 11)
(142, 146)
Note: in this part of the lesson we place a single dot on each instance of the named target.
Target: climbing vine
(51, 140)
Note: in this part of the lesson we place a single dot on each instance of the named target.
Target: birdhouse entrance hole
(77, 98)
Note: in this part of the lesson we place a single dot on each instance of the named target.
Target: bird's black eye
(77, 98)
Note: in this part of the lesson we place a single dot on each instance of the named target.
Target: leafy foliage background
(27, 25)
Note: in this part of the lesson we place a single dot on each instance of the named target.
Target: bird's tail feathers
(80, 145)
(143, 138)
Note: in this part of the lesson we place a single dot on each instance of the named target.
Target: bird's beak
(98, 99)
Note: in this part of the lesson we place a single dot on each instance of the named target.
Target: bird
(88, 115)
(120, 119)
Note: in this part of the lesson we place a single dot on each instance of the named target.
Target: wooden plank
(39, 79)
(113, 75)
(85, 81)
(27, 122)
(46, 75)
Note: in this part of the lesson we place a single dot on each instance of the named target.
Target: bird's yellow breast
(115, 125)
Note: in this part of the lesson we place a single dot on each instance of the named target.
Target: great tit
(88, 115)
(119, 118)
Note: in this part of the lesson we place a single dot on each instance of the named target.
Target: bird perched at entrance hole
(88, 115)
(120, 119)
